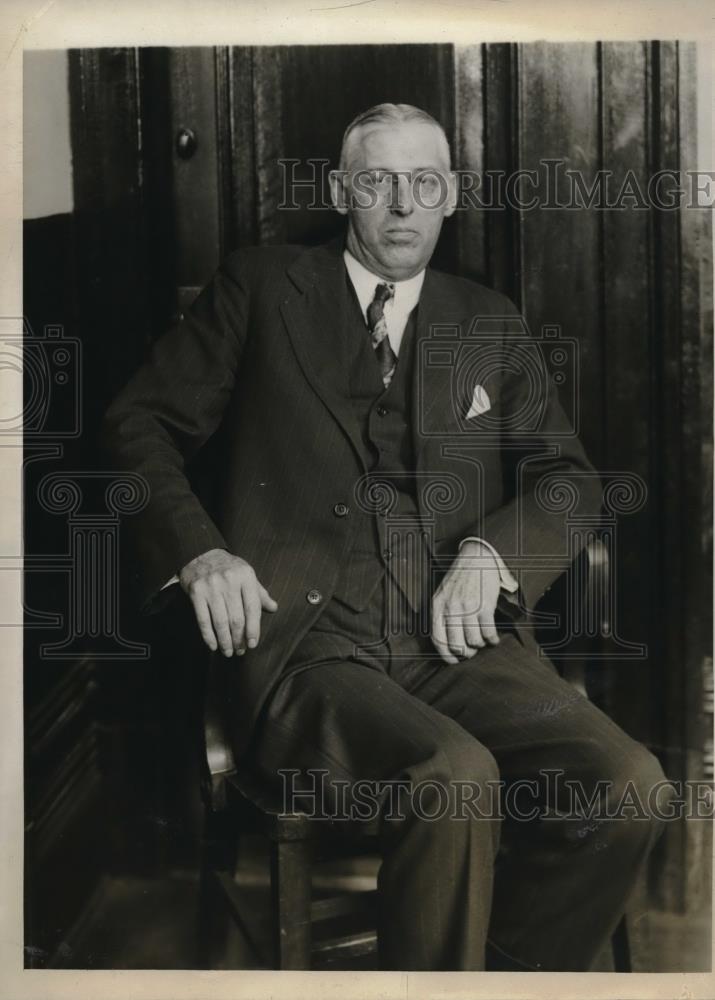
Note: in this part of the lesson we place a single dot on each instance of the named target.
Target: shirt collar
(407, 293)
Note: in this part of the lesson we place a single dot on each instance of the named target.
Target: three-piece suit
(350, 501)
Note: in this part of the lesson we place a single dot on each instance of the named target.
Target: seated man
(381, 531)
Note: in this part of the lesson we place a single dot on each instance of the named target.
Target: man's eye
(427, 182)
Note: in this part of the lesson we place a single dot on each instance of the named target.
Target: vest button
(314, 597)
(341, 510)
(382, 411)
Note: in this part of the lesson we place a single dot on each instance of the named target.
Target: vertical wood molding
(469, 156)
(238, 155)
(501, 151)
(628, 364)
(268, 139)
(691, 592)
(253, 144)
(232, 169)
(105, 119)
(681, 412)
(697, 382)
(666, 428)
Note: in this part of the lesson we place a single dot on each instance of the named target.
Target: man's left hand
(464, 603)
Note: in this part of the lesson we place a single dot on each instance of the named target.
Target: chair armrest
(593, 610)
(597, 583)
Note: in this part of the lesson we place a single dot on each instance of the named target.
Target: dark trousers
(532, 882)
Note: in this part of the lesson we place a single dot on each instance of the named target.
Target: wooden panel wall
(633, 286)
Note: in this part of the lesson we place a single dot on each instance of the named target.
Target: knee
(634, 781)
(634, 775)
(464, 759)
(647, 772)
(461, 779)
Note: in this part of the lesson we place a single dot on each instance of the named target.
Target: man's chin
(405, 258)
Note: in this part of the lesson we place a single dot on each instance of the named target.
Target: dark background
(111, 734)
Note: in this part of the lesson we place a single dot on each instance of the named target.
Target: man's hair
(389, 114)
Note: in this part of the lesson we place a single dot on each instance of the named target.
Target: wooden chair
(236, 805)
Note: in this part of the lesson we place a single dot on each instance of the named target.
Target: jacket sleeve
(163, 416)
(550, 478)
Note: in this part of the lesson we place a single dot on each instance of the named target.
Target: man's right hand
(227, 599)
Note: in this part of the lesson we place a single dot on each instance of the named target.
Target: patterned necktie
(386, 357)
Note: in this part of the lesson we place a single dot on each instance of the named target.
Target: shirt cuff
(174, 579)
(507, 581)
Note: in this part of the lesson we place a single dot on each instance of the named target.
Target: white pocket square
(480, 402)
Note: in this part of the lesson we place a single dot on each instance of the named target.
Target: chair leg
(218, 854)
(290, 899)
(621, 947)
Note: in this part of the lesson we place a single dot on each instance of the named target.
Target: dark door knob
(186, 143)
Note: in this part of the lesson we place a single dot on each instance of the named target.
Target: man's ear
(451, 193)
(339, 190)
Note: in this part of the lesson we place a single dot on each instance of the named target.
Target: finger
(236, 621)
(473, 633)
(453, 616)
(203, 618)
(252, 610)
(439, 634)
(444, 651)
(267, 602)
(455, 633)
(219, 619)
(488, 627)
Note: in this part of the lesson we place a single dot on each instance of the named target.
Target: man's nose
(402, 202)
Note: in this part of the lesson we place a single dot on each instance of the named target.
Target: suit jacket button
(341, 509)
(314, 597)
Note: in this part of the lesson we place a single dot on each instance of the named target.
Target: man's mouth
(401, 235)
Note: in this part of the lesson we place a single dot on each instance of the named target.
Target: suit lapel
(316, 314)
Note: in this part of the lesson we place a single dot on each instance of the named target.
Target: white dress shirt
(397, 309)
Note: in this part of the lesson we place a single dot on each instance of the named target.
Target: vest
(388, 536)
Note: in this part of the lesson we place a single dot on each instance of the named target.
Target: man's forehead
(412, 143)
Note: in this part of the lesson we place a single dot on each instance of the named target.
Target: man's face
(397, 191)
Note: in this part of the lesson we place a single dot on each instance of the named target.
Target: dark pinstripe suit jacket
(257, 358)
